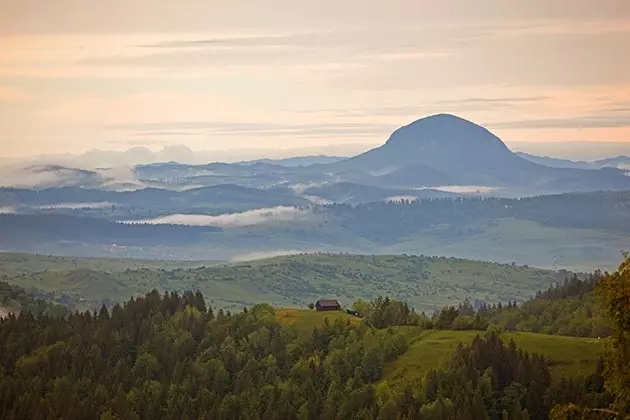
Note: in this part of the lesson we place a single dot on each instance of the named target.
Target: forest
(570, 308)
(171, 355)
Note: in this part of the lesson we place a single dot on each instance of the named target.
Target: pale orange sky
(77, 75)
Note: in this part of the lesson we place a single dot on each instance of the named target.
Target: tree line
(171, 356)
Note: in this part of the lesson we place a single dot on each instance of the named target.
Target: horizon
(181, 153)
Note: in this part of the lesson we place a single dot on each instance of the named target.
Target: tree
(614, 290)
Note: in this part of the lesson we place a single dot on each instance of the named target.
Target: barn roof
(328, 302)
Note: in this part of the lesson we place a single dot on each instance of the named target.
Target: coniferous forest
(172, 356)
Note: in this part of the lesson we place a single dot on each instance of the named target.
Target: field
(570, 356)
(427, 283)
(304, 320)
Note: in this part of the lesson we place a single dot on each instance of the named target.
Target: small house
(327, 305)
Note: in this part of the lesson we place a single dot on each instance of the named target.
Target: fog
(29, 175)
(401, 198)
(232, 220)
(263, 255)
(75, 206)
(463, 189)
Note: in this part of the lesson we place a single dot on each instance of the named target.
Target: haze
(321, 76)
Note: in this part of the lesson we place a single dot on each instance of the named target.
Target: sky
(78, 75)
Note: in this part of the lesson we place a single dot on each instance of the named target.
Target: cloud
(243, 41)
(12, 94)
(317, 200)
(432, 107)
(300, 188)
(232, 220)
(76, 206)
(595, 121)
(264, 255)
(463, 189)
(47, 175)
(324, 130)
(401, 198)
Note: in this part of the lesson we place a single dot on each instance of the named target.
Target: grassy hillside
(15, 264)
(570, 356)
(427, 283)
(304, 320)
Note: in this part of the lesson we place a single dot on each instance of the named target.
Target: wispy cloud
(264, 255)
(12, 94)
(191, 128)
(76, 206)
(596, 121)
(432, 107)
(232, 220)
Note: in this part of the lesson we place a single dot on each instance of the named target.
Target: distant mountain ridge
(445, 148)
(432, 152)
(297, 161)
(620, 162)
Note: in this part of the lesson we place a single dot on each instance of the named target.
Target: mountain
(620, 162)
(146, 202)
(556, 162)
(445, 149)
(297, 161)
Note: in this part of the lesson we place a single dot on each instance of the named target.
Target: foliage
(172, 356)
(615, 291)
(569, 308)
(14, 299)
(384, 312)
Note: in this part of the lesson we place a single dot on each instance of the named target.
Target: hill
(569, 356)
(145, 202)
(15, 300)
(16, 264)
(427, 283)
(580, 231)
(352, 193)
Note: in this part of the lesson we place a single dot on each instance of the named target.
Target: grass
(304, 320)
(570, 356)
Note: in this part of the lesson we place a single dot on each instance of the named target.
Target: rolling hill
(569, 356)
(427, 283)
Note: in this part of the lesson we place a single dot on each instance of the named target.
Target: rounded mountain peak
(448, 133)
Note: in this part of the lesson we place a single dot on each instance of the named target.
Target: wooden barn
(327, 305)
